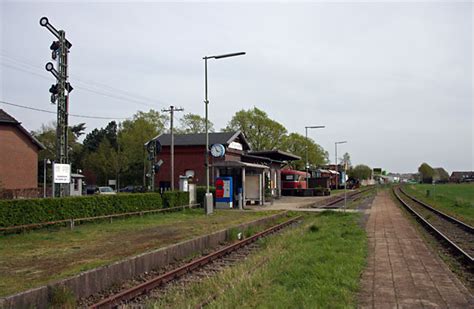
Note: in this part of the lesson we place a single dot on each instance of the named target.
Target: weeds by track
(453, 233)
(224, 255)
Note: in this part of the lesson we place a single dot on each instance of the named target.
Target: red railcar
(292, 182)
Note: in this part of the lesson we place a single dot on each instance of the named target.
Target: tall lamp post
(209, 200)
(345, 171)
(307, 167)
(335, 156)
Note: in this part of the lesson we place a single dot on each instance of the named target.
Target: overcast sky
(393, 79)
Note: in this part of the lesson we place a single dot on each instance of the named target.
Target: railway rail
(147, 286)
(352, 195)
(458, 235)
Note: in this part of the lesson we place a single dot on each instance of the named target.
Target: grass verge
(31, 259)
(315, 265)
(456, 200)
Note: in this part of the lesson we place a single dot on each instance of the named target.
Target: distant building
(18, 155)
(462, 176)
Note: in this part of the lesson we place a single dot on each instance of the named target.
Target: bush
(201, 194)
(175, 198)
(19, 212)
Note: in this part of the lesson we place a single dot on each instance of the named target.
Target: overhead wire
(53, 112)
(26, 66)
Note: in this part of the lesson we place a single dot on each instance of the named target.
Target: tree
(440, 175)
(133, 134)
(192, 123)
(78, 129)
(360, 172)
(297, 143)
(426, 173)
(346, 159)
(261, 132)
(100, 161)
(47, 136)
(96, 136)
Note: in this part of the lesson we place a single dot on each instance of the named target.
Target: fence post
(71, 224)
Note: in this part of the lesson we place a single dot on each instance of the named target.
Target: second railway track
(458, 235)
(229, 252)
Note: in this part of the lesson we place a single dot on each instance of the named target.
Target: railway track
(351, 196)
(458, 235)
(231, 252)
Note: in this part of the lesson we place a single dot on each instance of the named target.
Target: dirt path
(402, 271)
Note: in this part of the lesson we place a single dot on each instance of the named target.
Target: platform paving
(402, 271)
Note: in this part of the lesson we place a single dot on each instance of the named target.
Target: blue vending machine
(224, 196)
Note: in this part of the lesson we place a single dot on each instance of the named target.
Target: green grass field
(456, 200)
(315, 265)
(37, 257)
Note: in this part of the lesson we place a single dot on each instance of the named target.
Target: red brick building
(252, 172)
(190, 155)
(18, 155)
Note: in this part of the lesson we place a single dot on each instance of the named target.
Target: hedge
(201, 194)
(27, 211)
(175, 198)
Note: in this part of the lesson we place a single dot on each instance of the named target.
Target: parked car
(91, 189)
(105, 191)
(132, 189)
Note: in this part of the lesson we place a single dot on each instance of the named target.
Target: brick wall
(188, 158)
(18, 159)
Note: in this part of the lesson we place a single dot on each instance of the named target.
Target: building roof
(275, 155)
(6, 119)
(239, 164)
(198, 139)
(461, 174)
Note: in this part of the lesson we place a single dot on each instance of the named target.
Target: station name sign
(61, 173)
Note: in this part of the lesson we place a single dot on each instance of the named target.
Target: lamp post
(45, 162)
(345, 171)
(307, 167)
(335, 156)
(208, 200)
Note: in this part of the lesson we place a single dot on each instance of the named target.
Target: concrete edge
(95, 280)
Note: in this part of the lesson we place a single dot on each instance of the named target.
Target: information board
(61, 173)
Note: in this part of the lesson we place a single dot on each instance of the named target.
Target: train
(303, 184)
(320, 182)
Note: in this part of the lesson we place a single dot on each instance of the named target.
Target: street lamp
(307, 167)
(335, 156)
(345, 172)
(45, 162)
(209, 200)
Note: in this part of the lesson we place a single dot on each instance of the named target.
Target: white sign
(61, 173)
(235, 145)
(112, 182)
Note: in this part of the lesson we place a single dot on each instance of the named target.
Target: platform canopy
(277, 155)
(239, 164)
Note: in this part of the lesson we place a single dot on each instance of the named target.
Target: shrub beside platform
(30, 211)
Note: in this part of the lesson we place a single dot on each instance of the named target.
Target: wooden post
(71, 224)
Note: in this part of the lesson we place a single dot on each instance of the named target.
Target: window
(289, 177)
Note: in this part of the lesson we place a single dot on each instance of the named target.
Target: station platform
(402, 271)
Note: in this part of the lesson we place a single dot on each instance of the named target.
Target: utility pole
(171, 110)
(60, 93)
